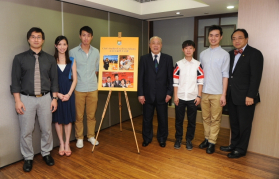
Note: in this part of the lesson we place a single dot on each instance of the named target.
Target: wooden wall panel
(261, 20)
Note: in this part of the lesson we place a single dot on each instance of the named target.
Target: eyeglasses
(240, 38)
(38, 38)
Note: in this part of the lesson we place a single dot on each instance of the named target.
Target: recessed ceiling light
(230, 7)
(177, 13)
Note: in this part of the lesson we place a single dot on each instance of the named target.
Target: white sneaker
(79, 143)
(92, 140)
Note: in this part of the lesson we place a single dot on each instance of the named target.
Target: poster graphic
(126, 62)
(118, 79)
(110, 62)
(118, 69)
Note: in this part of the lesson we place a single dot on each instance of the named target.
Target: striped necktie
(37, 77)
(156, 63)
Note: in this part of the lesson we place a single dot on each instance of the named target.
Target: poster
(118, 69)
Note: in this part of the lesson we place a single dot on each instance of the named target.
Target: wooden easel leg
(103, 116)
(120, 107)
(130, 114)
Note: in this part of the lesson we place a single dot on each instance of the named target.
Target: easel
(120, 107)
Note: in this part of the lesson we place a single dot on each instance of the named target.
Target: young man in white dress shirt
(215, 62)
(187, 82)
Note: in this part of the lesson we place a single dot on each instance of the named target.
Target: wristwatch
(199, 97)
(55, 98)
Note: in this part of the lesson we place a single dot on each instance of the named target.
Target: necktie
(238, 51)
(37, 77)
(156, 63)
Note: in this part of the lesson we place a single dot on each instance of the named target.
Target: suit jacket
(115, 84)
(245, 80)
(107, 85)
(155, 86)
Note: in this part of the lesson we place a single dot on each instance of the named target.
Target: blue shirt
(87, 66)
(236, 58)
(215, 63)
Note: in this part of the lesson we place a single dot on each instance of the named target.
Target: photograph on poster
(118, 79)
(126, 62)
(110, 62)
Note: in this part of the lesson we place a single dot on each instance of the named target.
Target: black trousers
(179, 118)
(241, 117)
(147, 124)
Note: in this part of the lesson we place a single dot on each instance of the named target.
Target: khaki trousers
(211, 115)
(88, 99)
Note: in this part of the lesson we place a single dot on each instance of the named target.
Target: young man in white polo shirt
(215, 62)
(187, 82)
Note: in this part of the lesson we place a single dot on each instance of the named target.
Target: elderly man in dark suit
(246, 66)
(155, 90)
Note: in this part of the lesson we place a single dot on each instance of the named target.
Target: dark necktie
(37, 77)
(237, 51)
(156, 63)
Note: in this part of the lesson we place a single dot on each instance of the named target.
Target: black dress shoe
(227, 148)
(162, 144)
(177, 144)
(210, 149)
(144, 143)
(189, 145)
(49, 160)
(27, 166)
(235, 154)
(204, 144)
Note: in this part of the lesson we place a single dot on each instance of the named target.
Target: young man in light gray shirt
(86, 93)
(215, 62)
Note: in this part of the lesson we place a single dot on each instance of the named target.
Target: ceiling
(160, 9)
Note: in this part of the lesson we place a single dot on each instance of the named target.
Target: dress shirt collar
(216, 48)
(90, 48)
(158, 56)
(185, 61)
(243, 48)
(31, 52)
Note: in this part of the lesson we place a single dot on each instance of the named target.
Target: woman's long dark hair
(56, 56)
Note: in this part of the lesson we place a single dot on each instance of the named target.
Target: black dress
(65, 112)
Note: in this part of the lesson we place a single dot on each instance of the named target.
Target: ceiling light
(230, 7)
(177, 13)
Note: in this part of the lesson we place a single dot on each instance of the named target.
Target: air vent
(143, 1)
